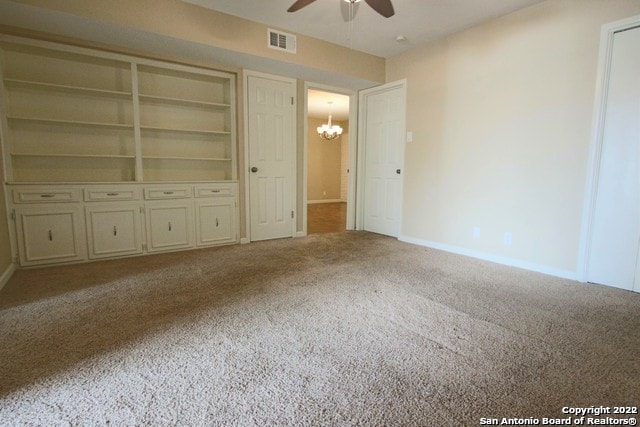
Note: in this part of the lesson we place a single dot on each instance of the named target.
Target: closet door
(616, 224)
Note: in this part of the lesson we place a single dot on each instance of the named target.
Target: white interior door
(272, 156)
(615, 234)
(381, 138)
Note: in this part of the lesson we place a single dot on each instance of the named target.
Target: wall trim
(315, 202)
(4, 278)
(511, 262)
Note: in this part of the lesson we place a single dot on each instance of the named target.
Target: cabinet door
(114, 230)
(215, 221)
(50, 234)
(169, 225)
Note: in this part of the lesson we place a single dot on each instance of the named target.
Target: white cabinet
(216, 213)
(169, 225)
(215, 221)
(49, 234)
(114, 229)
(169, 211)
(59, 223)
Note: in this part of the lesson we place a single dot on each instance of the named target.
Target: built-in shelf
(84, 156)
(204, 159)
(70, 122)
(172, 122)
(183, 101)
(66, 88)
(200, 131)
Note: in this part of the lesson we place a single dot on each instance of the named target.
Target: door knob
(398, 171)
(254, 169)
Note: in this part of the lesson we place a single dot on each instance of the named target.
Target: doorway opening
(328, 162)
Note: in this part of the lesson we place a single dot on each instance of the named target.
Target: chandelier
(329, 131)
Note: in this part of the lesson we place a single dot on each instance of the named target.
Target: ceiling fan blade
(299, 5)
(383, 7)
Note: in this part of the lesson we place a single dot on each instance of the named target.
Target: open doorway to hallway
(327, 161)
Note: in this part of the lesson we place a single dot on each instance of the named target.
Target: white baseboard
(552, 271)
(244, 240)
(315, 202)
(7, 275)
(301, 234)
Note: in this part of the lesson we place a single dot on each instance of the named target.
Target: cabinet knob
(169, 225)
(254, 169)
(115, 230)
(398, 171)
(50, 236)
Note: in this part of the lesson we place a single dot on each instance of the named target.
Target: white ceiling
(420, 21)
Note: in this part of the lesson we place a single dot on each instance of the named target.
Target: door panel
(271, 157)
(48, 235)
(114, 230)
(215, 221)
(382, 135)
(169, 225)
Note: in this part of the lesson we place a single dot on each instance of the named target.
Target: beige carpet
(335, 329)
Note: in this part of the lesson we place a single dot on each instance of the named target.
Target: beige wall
(184, 21)
(501, 116)
(324, 163)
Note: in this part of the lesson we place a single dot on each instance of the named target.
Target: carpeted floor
(334, 329)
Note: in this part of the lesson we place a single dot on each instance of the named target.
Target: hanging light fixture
(329, 131)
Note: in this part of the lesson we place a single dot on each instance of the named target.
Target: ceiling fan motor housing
(383, 7)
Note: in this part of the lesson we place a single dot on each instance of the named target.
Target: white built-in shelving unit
(111, 155)
(80, 115)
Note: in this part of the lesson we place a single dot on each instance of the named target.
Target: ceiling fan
(383, 7)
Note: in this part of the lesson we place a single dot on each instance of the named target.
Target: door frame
(597, 135)
(353, 141)
(246, 177)
(362, 120)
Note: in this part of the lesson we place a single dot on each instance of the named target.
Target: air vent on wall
(281, 41)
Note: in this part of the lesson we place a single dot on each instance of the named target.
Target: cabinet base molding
(112, 258)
